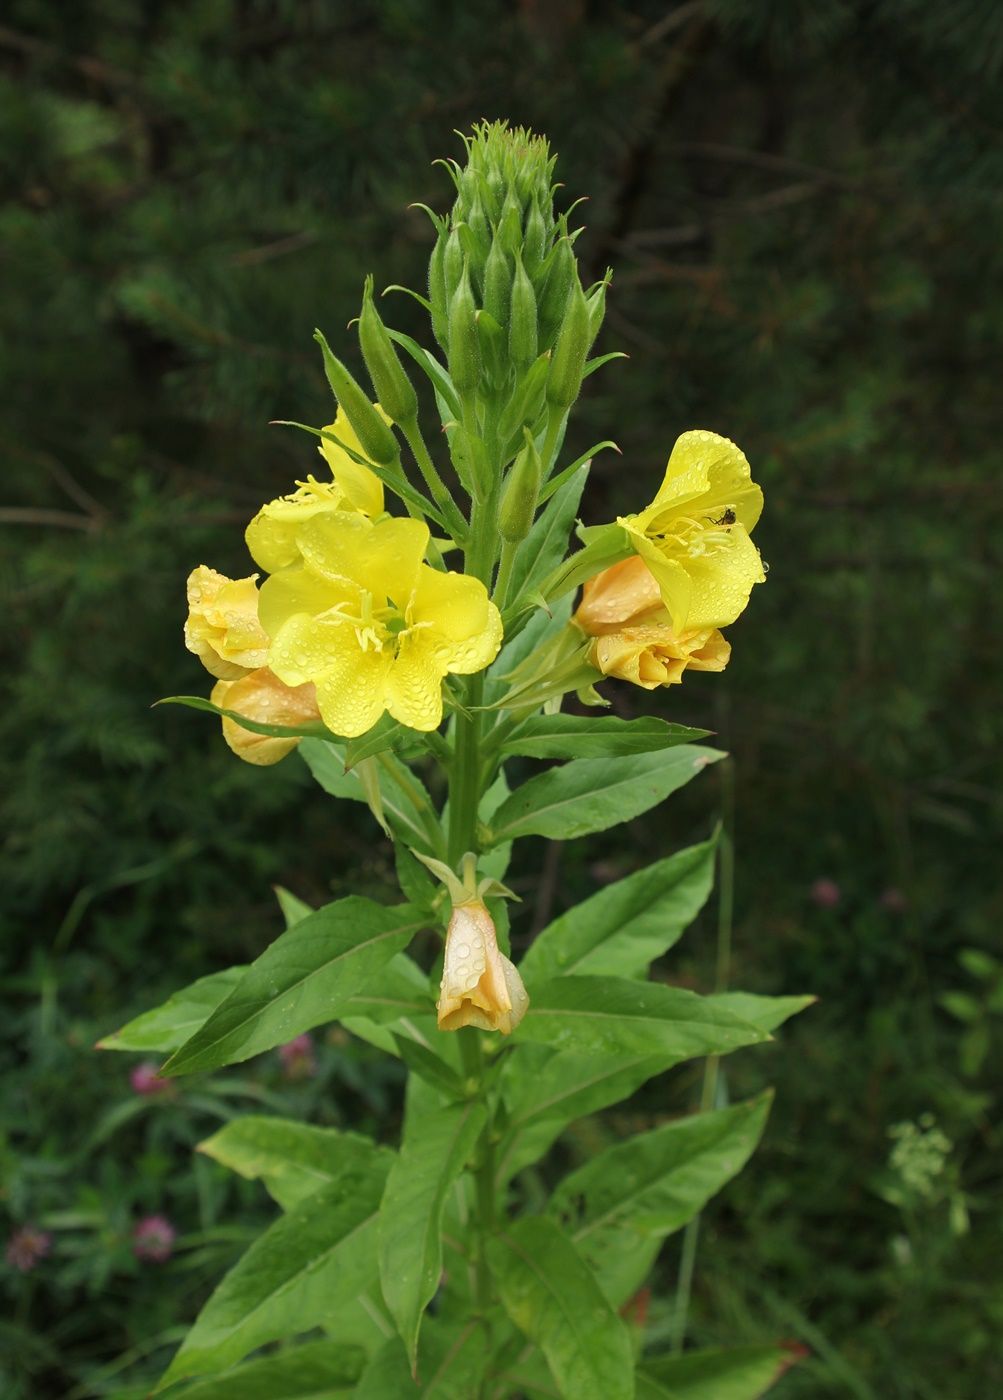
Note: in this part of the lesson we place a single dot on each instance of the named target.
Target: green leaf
(552, 1297)
(314, 1371)
(545, 1091)
(621, 929)
(319, 1255)
(451, 1361)
(430, 366)
(429, 1066)
(326, 762)
(386, 734)
(620, 1205)
(618, 1016)
(547, 542)
(592, 794)
(765, 1012)
(312, 729)
(596, 736)
(293, 908)
(307, 977)
(434, 1150)
(292, 1159)
(740, 1373)
(168, 1026)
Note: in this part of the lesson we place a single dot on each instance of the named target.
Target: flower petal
(721, 582)
(382, 558)
(351, 691)
(222, 628)
(706, 471)
(414, 683)
(620, 595)
(455, 611)
(298, 590)
(361, 487)
(261, 696)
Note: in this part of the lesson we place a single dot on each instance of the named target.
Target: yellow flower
(633, 635)
(222, 627)
(372, 626)
(479, 987)
(695, 534)
(261, 696)
(271, 535)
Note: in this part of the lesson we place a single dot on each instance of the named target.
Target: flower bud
(573, 340)
(509, 232)
(480, 987)
(377, 441)
(597, 307)
(518, 502)
(535, 241)
(437, 288)
(554, 298)
(497, 283)
(452, 262)
(464, 346)
(393, 388)
(522, 319)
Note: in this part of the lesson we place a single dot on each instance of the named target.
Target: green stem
(548, 455)
(436, 486)
(510, 548)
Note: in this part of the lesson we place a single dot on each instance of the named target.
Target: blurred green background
(801, 203)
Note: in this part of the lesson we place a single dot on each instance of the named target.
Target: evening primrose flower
(272, 534)
(372, 626)
(694, 536)
(222, 627)
(261, 696)
(633, 635)
(480, 987)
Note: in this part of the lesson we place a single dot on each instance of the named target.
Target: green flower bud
(394, 390)
(518, 502)
(464, 352)
(573, 340)
(452, 262)
(477, 222)
(522, 319)
(437, 289)
(375, 438)
(535, 241)
(597, 306)
(497, 283)
(509, 231)
(554, 298)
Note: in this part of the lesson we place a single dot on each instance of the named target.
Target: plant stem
(510, 549)
(436, 486)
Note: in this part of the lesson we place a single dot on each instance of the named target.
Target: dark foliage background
(801, 202)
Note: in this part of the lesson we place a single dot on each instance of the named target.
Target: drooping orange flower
(633, 635)
(261, 696)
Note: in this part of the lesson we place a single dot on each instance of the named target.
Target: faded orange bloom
(261, 696)
(633, 636)
(479, 987)
(222, 627)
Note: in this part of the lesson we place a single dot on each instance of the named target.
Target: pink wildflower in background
(146, 1081)
(894, 900)
(153, 1239)
(298, 1058)
(26, 1247)
(825, 893)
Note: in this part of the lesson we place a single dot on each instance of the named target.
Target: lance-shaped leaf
(618, 1016)
(765, 1012)
(313, 1371)
(592, 794)
(551, 1296)
(547, 542)
(624, 927)
(319, 1255)
(738, 1373)
(310, 729)
(326, 762)
(434, 1150)
(596, 736)
(170, 1025)
(451, 1362)
(307, 977)
(619, 1206)
(545, 1090)
(292, 1159)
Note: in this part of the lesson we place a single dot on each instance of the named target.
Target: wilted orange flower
(480, 986)
(222, 627)
(634, 639)
(261, 696)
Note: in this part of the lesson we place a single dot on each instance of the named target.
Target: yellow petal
(261, 696)
(298, 590)
(361, 487)
(479, 986)
(351, 690)
(303, 647)
(705, 471)
(721, 582)
(222, 628)
(271, 537)
(382, 558)
(463, 626)
(654, 654)
(414, 684)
